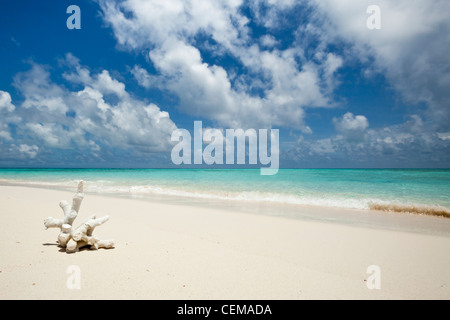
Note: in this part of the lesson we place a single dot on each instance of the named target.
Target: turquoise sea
(420, 191)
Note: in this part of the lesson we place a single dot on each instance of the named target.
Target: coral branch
(65, 235)
(70, 212)
(74, 239)
(53, 223)
(87, 228)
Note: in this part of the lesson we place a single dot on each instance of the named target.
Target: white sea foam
(250, 196)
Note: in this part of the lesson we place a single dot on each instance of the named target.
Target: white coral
(74, 239)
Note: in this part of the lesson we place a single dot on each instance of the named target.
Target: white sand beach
(170, 251)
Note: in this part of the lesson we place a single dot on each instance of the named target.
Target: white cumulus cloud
(97, 119)
(410, 49)
(286, 82)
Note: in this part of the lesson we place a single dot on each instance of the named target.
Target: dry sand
(169, 251)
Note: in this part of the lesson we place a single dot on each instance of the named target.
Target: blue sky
(111, 93)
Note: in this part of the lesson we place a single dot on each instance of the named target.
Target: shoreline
(362, 189)
(367, 218)
(173, 251)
